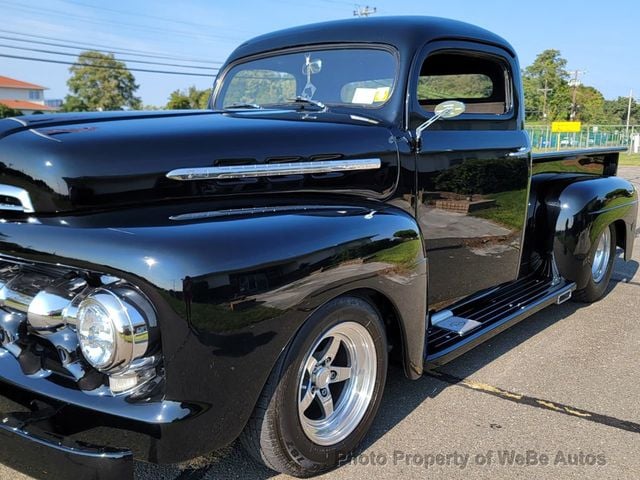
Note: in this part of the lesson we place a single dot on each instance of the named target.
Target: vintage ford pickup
(359, 192)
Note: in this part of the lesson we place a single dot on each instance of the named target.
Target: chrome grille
(38, 309)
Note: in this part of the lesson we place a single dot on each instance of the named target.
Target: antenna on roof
(364, 11)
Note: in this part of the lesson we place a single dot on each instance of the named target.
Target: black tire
(274, 435)
(595, 290)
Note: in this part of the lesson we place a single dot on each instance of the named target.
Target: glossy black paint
(576, 208)
(483, 245)
(246, 303)
(57, 460)
(235, 278)
(406, 34)
(70, 162)
(574, 196)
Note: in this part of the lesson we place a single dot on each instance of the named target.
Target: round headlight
(113, 328)
(97, 334)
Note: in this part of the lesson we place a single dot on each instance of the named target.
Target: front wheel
(601, 259)
(323, 394)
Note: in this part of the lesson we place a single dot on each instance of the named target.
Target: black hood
(83, 161)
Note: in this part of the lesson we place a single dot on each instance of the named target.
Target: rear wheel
(601, 259)
(323, 394)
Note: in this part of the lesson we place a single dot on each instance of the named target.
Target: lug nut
(328, 360)
(333, 375)
(323, 392)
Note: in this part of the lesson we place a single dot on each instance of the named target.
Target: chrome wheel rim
(601, 257)
(336, 383)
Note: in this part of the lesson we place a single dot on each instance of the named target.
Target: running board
(457, 330)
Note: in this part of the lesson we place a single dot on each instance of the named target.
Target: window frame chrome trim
(273, 170)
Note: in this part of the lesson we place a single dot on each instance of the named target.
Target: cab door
(473, 171)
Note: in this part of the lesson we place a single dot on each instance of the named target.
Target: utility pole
(545, 91)
(575, 83)
(629, 113)
(364, 11)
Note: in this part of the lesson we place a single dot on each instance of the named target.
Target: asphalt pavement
(556, 396)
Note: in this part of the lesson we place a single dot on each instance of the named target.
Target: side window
(481, 82)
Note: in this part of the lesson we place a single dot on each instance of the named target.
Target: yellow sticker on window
(382, 94)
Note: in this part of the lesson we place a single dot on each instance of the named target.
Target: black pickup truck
(358, 192)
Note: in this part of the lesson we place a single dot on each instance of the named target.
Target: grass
(509, 209)
(569, 166)
(403, 255)
(627, 160)
(219, 317)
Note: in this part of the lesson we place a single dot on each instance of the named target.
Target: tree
(100, 82)
(548, 72)
(8, 112)
(192, 98)
(615, 111)
(590, 105)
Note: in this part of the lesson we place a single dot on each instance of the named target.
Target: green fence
(589, 136)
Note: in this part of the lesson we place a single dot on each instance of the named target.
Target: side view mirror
(448, 109)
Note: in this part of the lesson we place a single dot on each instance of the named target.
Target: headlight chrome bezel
(128, 312)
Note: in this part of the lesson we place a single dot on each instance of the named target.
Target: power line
(75, 64)
(339, 2)
(144, 15)
(90, 46)
(87, 55)
(132, 26)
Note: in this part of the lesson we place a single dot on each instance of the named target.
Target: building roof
(23, 105)
(7, 82)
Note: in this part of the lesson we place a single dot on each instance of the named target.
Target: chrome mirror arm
(448, 109)
(422, 127)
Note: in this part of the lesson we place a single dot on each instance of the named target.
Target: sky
(600, 39)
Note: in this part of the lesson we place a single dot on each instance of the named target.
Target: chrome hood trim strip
(273, 169)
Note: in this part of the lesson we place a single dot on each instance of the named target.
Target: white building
(23, 96)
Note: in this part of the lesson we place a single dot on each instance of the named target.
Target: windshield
(362, 77)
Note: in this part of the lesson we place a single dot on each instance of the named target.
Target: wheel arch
(394, 327)
(583, 210)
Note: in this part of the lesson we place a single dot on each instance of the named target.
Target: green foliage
(508, 210)
(483, 177)
(590, 105)
(403, 255)
(100, 82)
(472, 85)
(261, 87)
(189, 99)
(615, 111)
(8, 112)
(548, 71)
(549, 68)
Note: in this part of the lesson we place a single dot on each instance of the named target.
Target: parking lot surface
(556, 396)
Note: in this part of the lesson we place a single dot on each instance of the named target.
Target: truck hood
(68, 162)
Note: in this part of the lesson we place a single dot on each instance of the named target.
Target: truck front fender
(232, 286)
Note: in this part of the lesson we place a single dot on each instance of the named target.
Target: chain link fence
(590, 136)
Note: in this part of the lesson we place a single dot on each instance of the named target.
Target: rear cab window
(481, 82)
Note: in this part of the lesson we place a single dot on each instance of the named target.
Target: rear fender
(583, 210)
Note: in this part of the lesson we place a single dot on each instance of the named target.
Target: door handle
(522, 152)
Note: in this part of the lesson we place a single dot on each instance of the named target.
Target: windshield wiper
(307, 101)
(253, 106)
